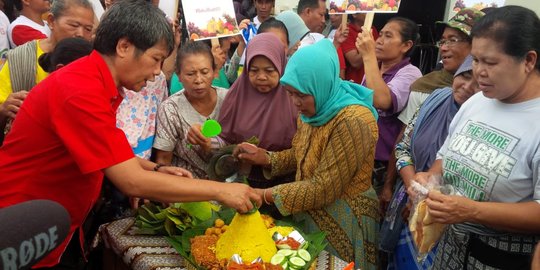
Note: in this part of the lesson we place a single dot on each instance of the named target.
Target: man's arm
(134, 181)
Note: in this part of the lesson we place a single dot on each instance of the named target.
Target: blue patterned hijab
(314, 70)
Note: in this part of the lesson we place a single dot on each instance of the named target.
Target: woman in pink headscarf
(256, 105)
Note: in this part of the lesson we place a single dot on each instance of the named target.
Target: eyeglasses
(449, 42)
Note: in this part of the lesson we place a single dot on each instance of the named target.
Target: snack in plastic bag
(426, 233)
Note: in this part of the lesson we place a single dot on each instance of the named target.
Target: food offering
(206, 19)
(476, 4)
(337, 6)
(378, 6)
(233, 241)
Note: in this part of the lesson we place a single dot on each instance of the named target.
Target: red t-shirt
(342, 64)
(24, 33)
(64, 135)
(351, 73)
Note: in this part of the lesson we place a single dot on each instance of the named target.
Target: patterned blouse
(403, 148)
(175, 117)
(137, 113)
(332, 191)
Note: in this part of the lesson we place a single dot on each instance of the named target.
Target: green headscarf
(314, 70)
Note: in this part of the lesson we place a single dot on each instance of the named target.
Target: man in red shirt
(355, 65)
(64, 139)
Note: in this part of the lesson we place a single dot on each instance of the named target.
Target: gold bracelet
(269, 158)
(264, 197)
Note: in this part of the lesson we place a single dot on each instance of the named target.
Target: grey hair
(59, 7)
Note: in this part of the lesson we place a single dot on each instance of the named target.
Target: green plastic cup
(211, 128)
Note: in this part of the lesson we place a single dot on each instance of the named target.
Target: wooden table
(125, 250)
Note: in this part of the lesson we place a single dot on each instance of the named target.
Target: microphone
(29, 231)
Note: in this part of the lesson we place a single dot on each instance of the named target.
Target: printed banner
(207, 19)
(170, 7)
(337, 6)
(282, 5)
(372, 6)
(457, 5)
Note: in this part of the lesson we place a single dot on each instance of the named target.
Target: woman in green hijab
(332, 153)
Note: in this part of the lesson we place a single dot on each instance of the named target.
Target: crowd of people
(330, 124)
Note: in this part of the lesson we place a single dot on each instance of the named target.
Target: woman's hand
(385, 198)
(177, 29)
(196, 137)
(13, 103)
(420, 178)
(219, 58)
(252, 154)
(450, 209)
(341, 35)
(365, 44)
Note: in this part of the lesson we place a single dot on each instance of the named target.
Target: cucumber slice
(294, 253)
(304, 255)
(278, 259)
(283, 246)
(305, 245)
(296, 262)
(285, 252)
(285, 266)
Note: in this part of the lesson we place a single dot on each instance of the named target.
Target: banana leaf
(176, 242)
(182, 244)
(199, 210)
(317, 240)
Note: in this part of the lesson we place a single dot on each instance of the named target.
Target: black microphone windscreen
(29, 231)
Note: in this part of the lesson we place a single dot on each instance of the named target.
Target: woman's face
(464, 86)
(77, 21)
(263, 75)
(389, 45)
(500, 76)
(454, 51)
(196, 74)
(304, 103)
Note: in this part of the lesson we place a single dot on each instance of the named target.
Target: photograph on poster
(363, 6)
(206, 19)
(457, 5)
(282, 5)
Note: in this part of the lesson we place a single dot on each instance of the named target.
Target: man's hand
(13, 103)
(239, 196)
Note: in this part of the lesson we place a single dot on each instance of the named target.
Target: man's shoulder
(81, 76)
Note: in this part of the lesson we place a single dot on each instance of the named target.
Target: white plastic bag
(425, 232)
